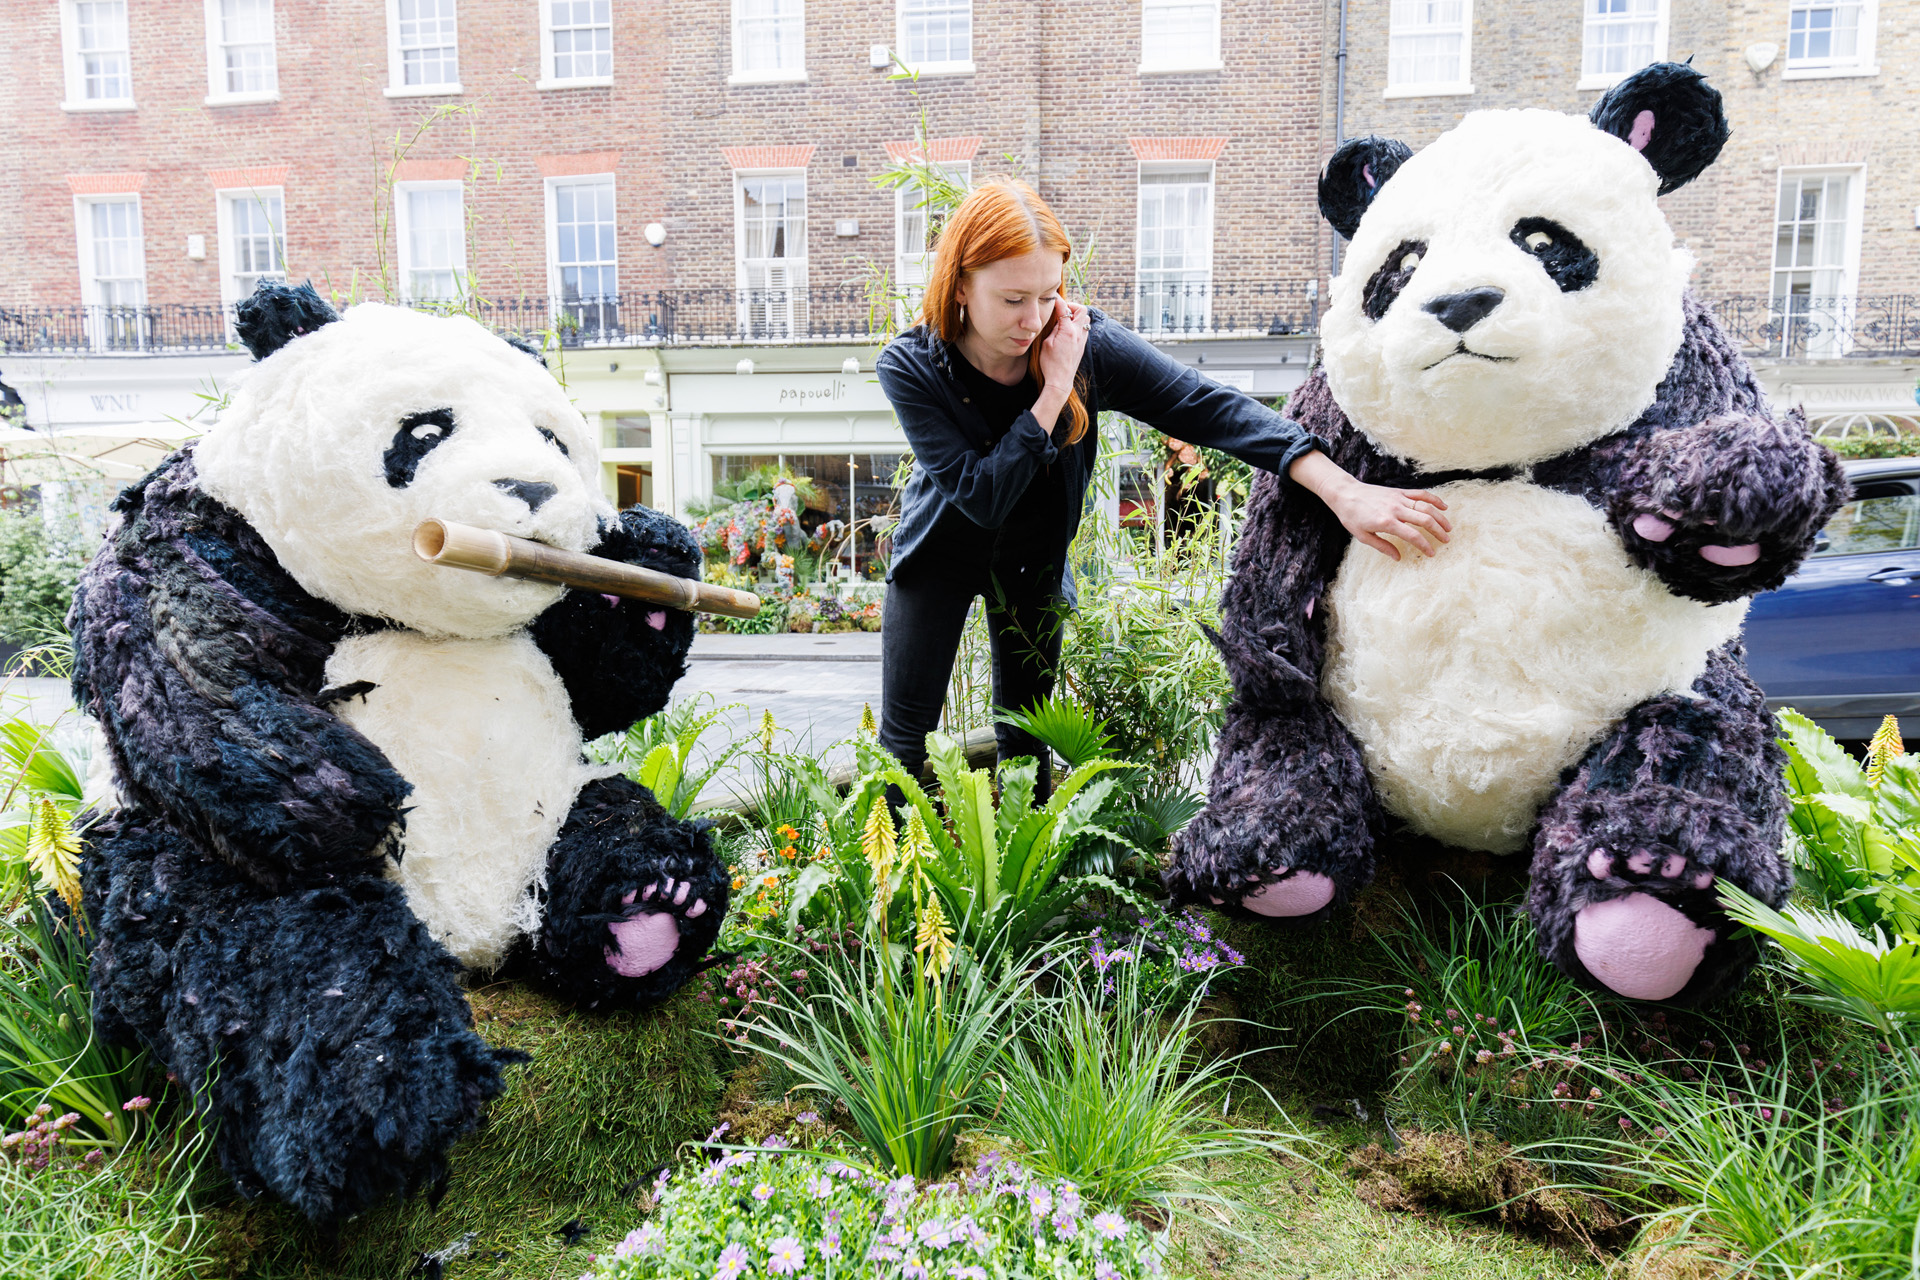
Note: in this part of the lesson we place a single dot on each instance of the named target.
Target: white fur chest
(484, 732)
(1472, 679)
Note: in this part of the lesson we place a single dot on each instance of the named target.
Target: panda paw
(1728, 507)
(1625, 896)
(646, 940)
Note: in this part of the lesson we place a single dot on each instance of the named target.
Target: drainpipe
(1339, 110)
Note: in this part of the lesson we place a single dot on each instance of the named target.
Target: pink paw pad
(1730, 557)
(1599, 864)
(1641, 863)
(642, 943)
(1297, 895)
(1673, 866)
(1639, 946)
(1652, 527)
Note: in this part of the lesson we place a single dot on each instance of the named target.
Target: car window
(1883, 516)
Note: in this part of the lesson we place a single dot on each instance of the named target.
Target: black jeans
(920, 637)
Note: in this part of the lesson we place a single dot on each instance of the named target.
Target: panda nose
(1461, 311)
(532, 492)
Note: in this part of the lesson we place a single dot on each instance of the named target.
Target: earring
(963, 315)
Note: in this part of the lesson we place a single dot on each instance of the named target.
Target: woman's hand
(1368, 511)
(1060, 353)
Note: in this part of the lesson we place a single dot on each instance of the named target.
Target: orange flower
(787, 853)
(739, 883)
(771, 881)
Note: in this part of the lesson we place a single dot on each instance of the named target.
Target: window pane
(768, 35)
(114, 241)
(1179, 33)
(428, 47)
(1425, 41)
(1175, 246)
(582, 38)
(246, 46)
(101, 33)
(1884, 516)
(259, 241)
(936, 30)
(436, 242)
(1823, 32)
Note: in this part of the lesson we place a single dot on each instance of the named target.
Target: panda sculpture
(1512, 331)
(346, 777)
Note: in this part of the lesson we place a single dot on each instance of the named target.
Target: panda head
(1513, 291)
(352, 430)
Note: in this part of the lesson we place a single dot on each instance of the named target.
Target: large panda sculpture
(346, 776)
(1512, 331)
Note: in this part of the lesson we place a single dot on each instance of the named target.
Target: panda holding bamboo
(1512, 331)
(348, 778)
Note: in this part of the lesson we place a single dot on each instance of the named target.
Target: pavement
(814, 685)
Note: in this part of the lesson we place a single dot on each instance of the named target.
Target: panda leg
(322, 1030)
(1290, 821)
(1683, 794)
(634, 899)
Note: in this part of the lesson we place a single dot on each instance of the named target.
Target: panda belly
(1472, 679)
(484, 732)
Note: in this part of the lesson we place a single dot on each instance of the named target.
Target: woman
(998, 390)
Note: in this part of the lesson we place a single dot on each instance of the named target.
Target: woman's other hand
(1369, 511)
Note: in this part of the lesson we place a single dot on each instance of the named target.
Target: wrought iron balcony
(1803, 327)
(1797, 328)
(716, 315)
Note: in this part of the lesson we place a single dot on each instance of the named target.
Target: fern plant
(658, 752)
(1854, 836)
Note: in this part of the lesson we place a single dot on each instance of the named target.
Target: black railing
(1795, 328)
(714, 315)
(1803, 327)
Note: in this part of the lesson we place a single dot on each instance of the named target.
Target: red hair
(1001, 219)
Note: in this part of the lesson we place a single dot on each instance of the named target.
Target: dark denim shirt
(959, 471)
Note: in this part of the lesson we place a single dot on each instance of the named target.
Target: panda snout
(1461, 311)
(532, 492)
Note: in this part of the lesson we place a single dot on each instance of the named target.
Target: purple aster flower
(786, 1256)
(1110, 1225)
(775, 1141)
(1069, 1198)
(881, 1253)
(1104, 1270)
(646, 1238)
(967, 1273)
(820, 1188)
(763, 1193)
(733, 1261)
(901, 1235)
(1065, 1225)
(808, 1117)
(1039, 1202)
(828, 1245)
(915, 1269)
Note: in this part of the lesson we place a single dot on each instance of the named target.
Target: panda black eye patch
(557, 443)
(419, 433)
(1562, 254)
(1387, 283)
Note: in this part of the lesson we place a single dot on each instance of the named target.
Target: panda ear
(1354, 176)
(519, 343)
(276, 314)
(1669, 114)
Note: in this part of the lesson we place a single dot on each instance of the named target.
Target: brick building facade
(719, 161)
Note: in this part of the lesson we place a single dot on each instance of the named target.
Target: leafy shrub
(1875, 446)
(38, 568)
(1167, 956)
(778, 1213)
(1854, 836)
(658, 752)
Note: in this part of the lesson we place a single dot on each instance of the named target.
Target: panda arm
(618, 658)
(1728, 506)
(202, 660)
(1287, 549)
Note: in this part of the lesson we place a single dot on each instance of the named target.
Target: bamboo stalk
(501, 555)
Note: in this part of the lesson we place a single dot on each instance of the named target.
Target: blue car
(1840, 641)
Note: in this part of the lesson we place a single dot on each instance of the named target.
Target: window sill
(577, 82)
(422, 90)
(943, 69)
(1601, 82)
(241, 99)
(1169, 69)
(100, 104)
(1428, 91)
(1827, 73)
(797, 76)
